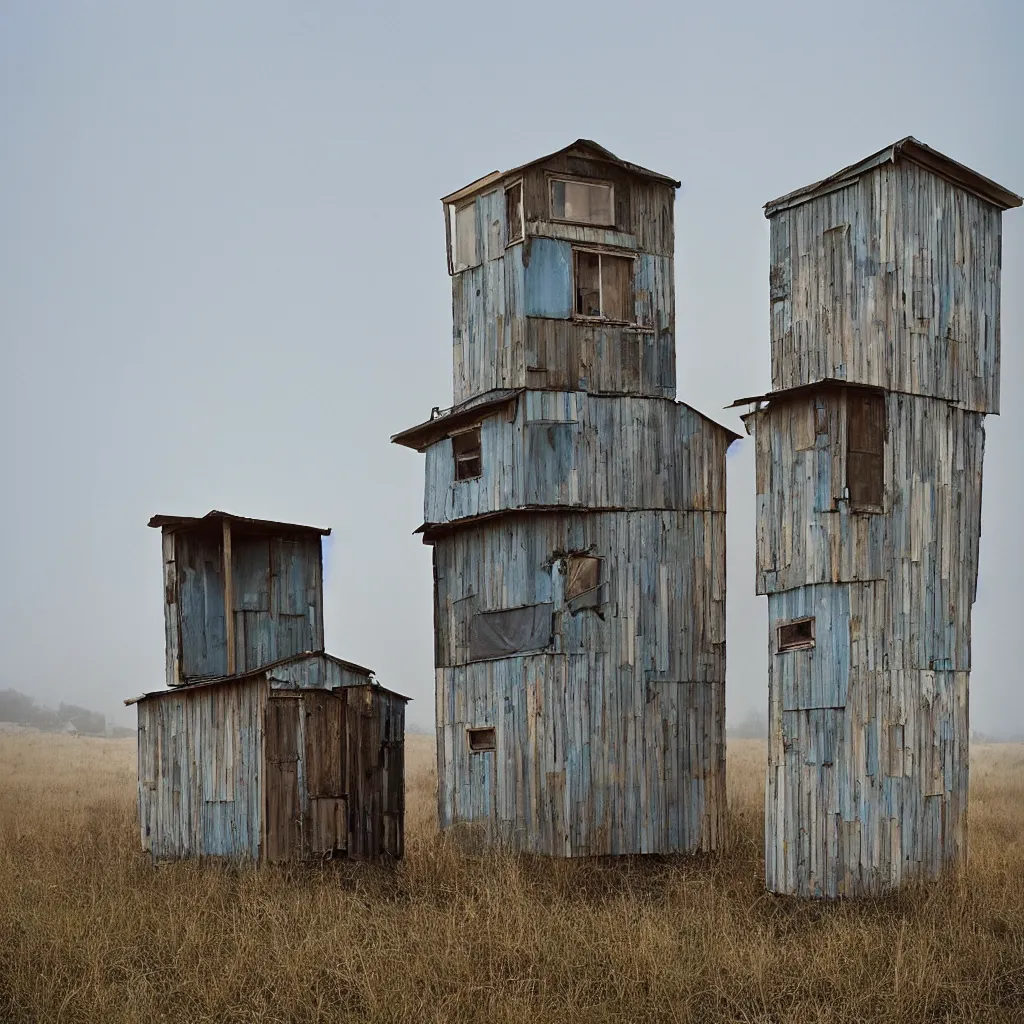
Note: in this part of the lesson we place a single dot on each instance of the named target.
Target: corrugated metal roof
(263, 670)
(794, 392)
(489, 179)
(905, 149)
(256, 524)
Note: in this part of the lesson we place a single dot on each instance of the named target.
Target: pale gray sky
(223, 280)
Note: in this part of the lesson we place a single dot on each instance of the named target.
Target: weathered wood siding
(298, 763)
(276, 603)
(612, 740)
(514, 324)
(891, 281)
(570, 448)
(200, 756)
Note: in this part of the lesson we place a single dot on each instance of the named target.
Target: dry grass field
(90, 931)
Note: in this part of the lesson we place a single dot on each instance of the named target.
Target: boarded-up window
(514, 213)
(582, 582)
(795, 635)
(584, 202)
(604, 286)
(462, 227)
(510, 631)
(481, 740)
(865, 450)
(466, 451)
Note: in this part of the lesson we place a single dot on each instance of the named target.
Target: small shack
(263, 746)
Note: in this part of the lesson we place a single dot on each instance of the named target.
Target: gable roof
(596, 150)
(905, 149)
(267, 525)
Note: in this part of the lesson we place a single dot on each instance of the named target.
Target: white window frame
(603, 319)
(451, 227)
(552, 178)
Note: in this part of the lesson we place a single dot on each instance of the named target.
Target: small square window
(604, 286)
(796, 635)
(582, 581)
(481, 740)
(514, 227)
(466, 451)
(584, 202)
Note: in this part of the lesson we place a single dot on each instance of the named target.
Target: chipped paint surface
(607, 706)
(891, 280)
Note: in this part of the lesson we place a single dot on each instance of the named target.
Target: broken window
(604, 285)
(481, 739)
(865, 450)
(582, 582)
(510, 631)
(466, 450)
(462, 229)
(795, 635)
(582, 201)
(514, 227)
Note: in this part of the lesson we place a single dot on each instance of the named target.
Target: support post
(229, 601)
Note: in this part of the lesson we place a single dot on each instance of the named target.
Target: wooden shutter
(865, 450)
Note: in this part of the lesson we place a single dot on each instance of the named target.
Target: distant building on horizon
(885, 282)
(264, 746)
(576, 512)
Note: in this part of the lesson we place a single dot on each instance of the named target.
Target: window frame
(801, 645)
(463, 459)
(569, 179)
(482, 730)
(856, 504)
(626, 255)
(518, 182)
(452, 229)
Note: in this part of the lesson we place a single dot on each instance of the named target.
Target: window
(466, 450)
(462, 228)
(582, 201)
(582, 582)
(796, 635)
(604, 285)
(509, 631)
(514, 227)
(481, 740)
(865, 450)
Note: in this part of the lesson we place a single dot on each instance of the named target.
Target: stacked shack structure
(264, 746)
(885, 361)
(577, 517)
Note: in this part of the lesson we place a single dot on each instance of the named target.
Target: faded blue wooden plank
(548, 280)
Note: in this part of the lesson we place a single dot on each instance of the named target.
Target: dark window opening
(466, 451)
(865, 450)
(514, 213)
(796, 634)
(481, 739)
(509, 631)
(604, 286)
(582, 582)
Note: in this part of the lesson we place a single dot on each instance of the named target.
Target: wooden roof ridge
(255, 673)
(215, 516)
(604, 154)
(910, 149)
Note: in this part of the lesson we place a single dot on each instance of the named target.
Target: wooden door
(283, 813)
(325, 806)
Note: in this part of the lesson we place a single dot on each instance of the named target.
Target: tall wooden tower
(577, 517)
(885, 360)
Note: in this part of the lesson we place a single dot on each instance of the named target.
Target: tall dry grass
(90, 931)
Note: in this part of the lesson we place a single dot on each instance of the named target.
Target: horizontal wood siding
(570, 448)
(891, 281)
(200, 756)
